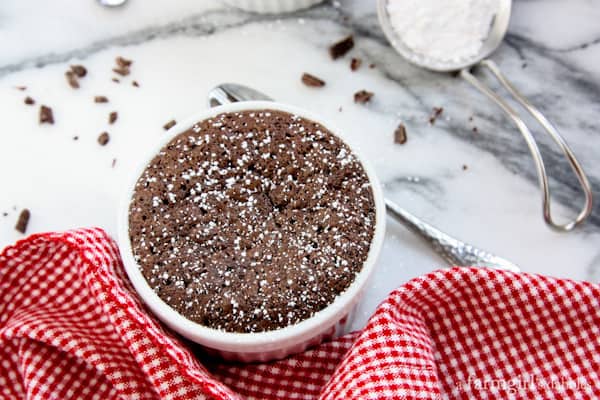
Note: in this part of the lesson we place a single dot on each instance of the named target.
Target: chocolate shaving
(342, 47)
(355, 64)
(112, 117)
(23, 221)
(123, 71)
(103, 138)
(100, 99)
(400, 134)
(46, 115)
(362, 96)
(79, 70)
(123, 62)
(437, 111)
(169, 125)
(312, 81)
(29, 101)
(72, 79)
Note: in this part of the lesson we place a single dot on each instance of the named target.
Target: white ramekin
(262, 346)
(272, 6)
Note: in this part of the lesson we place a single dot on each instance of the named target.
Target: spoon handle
(452, 250)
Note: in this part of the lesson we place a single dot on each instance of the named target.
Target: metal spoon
(496, 34)
(450, 249)
(111, 3)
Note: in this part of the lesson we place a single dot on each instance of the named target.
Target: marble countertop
(552, 53)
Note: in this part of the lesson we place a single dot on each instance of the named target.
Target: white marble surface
(182, 49)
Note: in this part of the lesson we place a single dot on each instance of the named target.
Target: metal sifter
(497, 32)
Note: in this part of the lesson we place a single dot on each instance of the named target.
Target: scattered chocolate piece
(116, 80)
(5, 214)
(21, 88)
(123, 62)
(372, 65)
(437, 111)
(400, 134)
(79, 70)
(103, 138)
(72, 79)
(355, 64)
(312, 81)
(471, 118)
(169, 125)
(123, 71)
(114, 162)
(100, 99)
(112, 117)
(342, 47)
(75, 138)
(465, 167)
(29, 101)
(475, 130)
(23, 221)
(135, 83)
(362, 96)
(46, 115)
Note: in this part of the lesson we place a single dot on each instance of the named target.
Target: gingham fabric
(72, 328)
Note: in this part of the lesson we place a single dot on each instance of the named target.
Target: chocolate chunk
(400, 134)
(103, 138)
(46, 115)
(437, 111)
(123, 71)
(312, 81)
(23, 221)
(362, 96)
(123, 62)
(29, 101)
(100, 99)
(72, 79)
(79, 70)
(135, 83)
(169, 125)
(355, 64)
(112, 117)
(342, 47)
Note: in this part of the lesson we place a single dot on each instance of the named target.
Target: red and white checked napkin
(71, 327)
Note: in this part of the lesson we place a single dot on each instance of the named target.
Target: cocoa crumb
(114, 162)
(400, 134)
(465, 167)
(362, 96)
(116, 80)
(312, 81)
(29, 101)
(100, 99)
(475, 130)
(75, 138)
(339, 49)
(23, 221)
(169, 125)
(437, 111)
(72, 79)
(355, 64)
(135, 84)
(21, 88)
(372, 65)
(112, 117)
(123, 71)
(46, 115)
(123, 62)
(103, 138)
